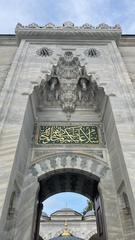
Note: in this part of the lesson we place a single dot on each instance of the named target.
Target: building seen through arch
(80, 226)
(67, 125)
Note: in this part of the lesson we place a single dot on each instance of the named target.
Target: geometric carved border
(46, 164)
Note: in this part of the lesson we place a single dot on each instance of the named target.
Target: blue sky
(59, 11)
(62, 200)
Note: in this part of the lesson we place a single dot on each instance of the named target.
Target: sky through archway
(65, 200)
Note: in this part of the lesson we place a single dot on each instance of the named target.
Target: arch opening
(71, 180)
(70, 208)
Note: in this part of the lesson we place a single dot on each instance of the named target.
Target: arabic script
(68, 135)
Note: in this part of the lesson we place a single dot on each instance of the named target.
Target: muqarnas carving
(68, 85)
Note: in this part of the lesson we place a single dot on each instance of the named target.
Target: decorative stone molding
(68, 31)
(33, 25)
(53, 162)
(87, 26)
(70, 164)
(69, 24)
(39, 154)
(92, 233)
(50, 25)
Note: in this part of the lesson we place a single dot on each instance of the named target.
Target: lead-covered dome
(66, 238)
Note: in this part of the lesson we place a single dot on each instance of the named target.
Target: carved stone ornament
(103, 26)
(50, 25)
(33, 25)
(44, 52)
(69, 25)
(68, 30)
(68, 85)
(87, 26)
(91, 52)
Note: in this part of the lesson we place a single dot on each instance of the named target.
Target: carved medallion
(68, 84)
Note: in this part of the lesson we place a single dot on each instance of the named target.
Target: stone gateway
(67, 124)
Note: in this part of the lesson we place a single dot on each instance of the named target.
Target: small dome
(66, 210)
(90, 213)
(44, 214)
(66, 238)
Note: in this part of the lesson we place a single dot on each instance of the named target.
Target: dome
(66, 214)
(44, 217)
(90, 213)
(66, 238)
(66, 211)
(44, 214)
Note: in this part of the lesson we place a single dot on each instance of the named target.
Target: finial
(66, 231)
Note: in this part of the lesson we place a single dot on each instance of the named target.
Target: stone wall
(80, 229)
(127, 50)
(8, 48)
(18, 113)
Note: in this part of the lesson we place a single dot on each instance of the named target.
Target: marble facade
(96, 67)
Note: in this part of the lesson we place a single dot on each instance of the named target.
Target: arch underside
(68, 181)
(69, 172)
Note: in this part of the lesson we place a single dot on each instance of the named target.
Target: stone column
(16, 128)
(109, 202)
(25, 224)
(39, 212)
(119, 123)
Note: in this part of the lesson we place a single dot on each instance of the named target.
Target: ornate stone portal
(65, 129)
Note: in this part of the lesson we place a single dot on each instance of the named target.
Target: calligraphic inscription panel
(68, 135)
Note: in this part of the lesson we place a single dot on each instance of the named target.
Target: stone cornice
(68, 31)
(7, 40)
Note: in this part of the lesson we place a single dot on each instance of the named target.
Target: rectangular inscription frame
(85, 130)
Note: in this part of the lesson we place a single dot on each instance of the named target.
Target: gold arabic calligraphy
(68, 134)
